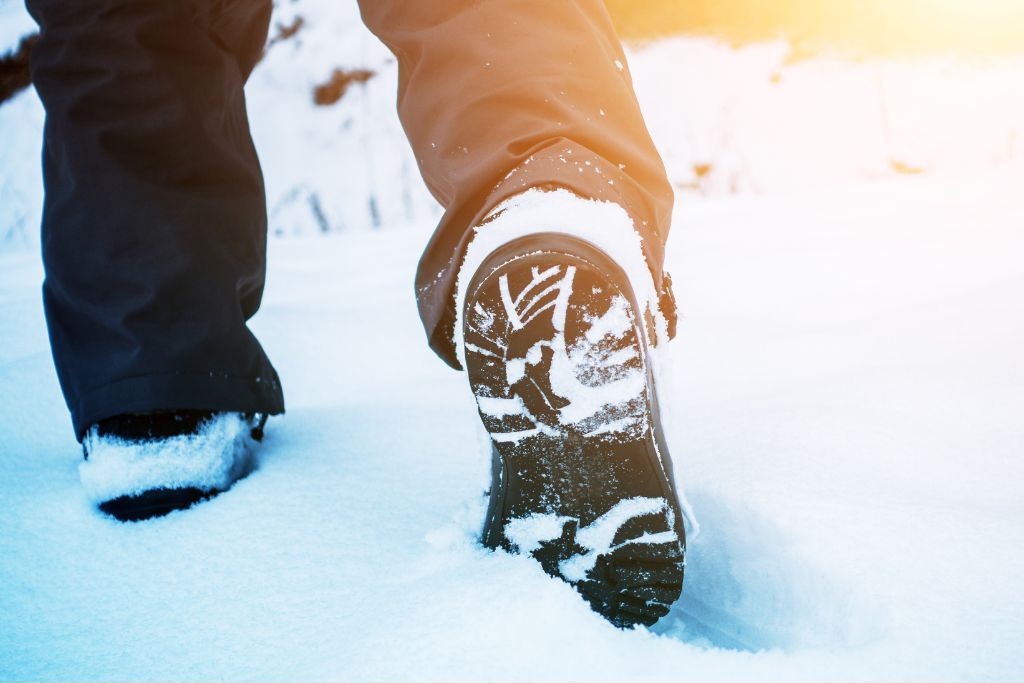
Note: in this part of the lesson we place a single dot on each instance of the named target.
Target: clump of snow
(616, 321)
(529, 532)
(515, 370)
(501, 407)
(598, 536)
(585, 400)
(212, 459)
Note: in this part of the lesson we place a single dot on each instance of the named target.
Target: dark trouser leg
(487, 86)
(154, 224)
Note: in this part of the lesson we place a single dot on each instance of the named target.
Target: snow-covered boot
(140, 466)
(558, 355)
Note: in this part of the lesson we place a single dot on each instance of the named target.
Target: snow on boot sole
(558, 361)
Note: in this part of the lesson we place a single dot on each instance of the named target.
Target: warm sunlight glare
(866, 27)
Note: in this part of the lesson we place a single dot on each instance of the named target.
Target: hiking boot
(558, 356)
(140, 466)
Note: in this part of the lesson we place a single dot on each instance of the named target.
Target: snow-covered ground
(847, 419)
(847, 403)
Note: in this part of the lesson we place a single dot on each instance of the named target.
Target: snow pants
(154, 222)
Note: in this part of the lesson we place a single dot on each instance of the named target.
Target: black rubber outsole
(154, 503)
(575, 476)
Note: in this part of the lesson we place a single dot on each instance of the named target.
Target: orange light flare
(860, 27)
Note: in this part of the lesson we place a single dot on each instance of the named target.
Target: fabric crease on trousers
(154, 222)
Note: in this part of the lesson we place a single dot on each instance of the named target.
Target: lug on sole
(581, 476)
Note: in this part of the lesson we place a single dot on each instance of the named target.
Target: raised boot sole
(582, 482)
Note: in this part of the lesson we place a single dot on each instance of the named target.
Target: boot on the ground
(140, 466)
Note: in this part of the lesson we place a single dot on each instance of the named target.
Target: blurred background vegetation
(850, 27)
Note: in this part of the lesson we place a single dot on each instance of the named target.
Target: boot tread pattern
(558, 365)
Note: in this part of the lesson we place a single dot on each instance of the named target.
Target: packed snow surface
(846, 413)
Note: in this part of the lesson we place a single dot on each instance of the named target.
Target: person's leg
(154, 224)
(500, 96)
(544, 280)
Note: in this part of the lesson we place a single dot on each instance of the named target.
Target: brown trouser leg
(487, 85)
